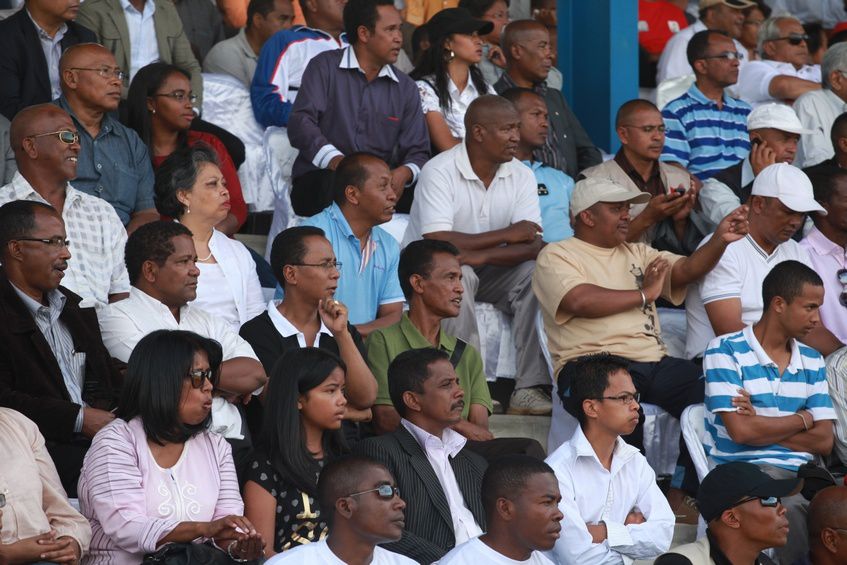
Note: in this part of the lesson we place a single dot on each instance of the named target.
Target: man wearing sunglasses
(767, 399)
(783, 74)
(362, 506)
(47, 148)
(614, 510)
(741, 506)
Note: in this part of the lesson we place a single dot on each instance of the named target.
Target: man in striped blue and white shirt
(767, 398)
(707, 128)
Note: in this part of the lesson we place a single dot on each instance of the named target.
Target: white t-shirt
(739, 274)
(319, 552)
(754, 80)
(475, 552)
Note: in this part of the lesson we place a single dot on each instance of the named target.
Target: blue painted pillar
(598, 57)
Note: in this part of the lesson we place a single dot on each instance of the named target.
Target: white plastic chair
(693, 423)
(672, 88)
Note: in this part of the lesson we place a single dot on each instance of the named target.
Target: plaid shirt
(96, 268)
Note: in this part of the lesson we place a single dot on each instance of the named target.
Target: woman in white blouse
(191, 188)
(448, 77)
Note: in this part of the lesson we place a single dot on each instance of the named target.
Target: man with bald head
(665, 221)
(46, 144)
(113, 161)
(827, 519)
(484, 201)
(526, 45)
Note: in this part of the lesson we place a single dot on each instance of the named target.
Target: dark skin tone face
(47, 152)
(35, 267)
(440, 404)
(101, 93)
(175, 281)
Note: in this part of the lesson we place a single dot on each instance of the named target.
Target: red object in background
(657, 22)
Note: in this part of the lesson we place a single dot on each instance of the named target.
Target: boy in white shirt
(520, 495)
(614, 510)
(362, 506)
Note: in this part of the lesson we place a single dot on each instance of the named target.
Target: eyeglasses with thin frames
(626, 398)
(792, 38)
(105, 72)
(727, 55)
(200, 376)
(57, 242)
(326, 265)
(179, 96)
(386, 492)
(66, 136)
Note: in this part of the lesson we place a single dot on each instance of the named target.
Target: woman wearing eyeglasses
(160, 108)
(156, 475)
(191, 187)
(304, 407)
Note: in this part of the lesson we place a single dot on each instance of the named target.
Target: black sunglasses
(793, 38)
(766, 501)
(200, 376)
(386, 492)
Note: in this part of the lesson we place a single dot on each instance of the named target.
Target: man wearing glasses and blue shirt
(742, 506)
(767, 398)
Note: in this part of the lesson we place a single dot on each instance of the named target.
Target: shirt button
(100, 188)
(99, 166)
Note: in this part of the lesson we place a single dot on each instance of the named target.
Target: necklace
(206, 258)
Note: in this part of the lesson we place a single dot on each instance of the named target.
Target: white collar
(151, 4)
(154, 303)
(622, 452)
(463, 163)
(286, 328)
(349, 61)
(24, 190)
(794, 365)
(450, 441)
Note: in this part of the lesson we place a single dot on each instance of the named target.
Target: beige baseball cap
(590, 191)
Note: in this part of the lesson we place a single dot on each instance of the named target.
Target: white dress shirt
(96, 268)
(144, 48)
(717, 199)
(817, 111)
(438, 453)
(591, 494)
(754, 80)
(450, 196)
(52, 53)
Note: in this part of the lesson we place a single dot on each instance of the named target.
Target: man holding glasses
(46, 145)
(363, 508)
(767, 398)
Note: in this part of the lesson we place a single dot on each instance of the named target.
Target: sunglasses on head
(386, 492)
(200, 376)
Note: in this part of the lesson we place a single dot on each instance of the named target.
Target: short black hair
(151, 242)
(825, 179)
(289, 247)
(786, 280)
(342, 477)
(261, 7)
(361, 13)
(408, 372)
(506, 477)
(515, 93)
(813, 36)
(629, 107)
(838, 130)
(477, 8)
(178, 174)
(17, 220)
(157, 369)
(590, 380)
(698, 46)
(351, 170)
(416, 259)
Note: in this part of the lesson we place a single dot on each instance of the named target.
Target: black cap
(726, 484)
(456, 20)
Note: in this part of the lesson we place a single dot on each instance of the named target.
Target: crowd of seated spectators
(161, 402)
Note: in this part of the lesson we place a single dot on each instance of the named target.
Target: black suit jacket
(23, 68)
(429, 527)
(30, 378)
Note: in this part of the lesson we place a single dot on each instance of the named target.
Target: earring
(187, 210)
(449, 56)
(153, 111)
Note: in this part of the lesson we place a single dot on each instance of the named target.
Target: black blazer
(22, 64)
(30, 378)
(429, 527)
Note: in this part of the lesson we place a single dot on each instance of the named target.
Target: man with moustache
(484, 201)
(439, 476)
(114, 163)
(54, 368)
(521, 497)
(354, 99)
(361, 503)
(767, 400)
(46, 144)
(615, 511)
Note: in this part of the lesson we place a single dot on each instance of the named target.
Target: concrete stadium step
(507, 425)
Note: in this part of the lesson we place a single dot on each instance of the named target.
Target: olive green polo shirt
(386, 344)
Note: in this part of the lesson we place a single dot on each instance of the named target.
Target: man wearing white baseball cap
(730, 296)
(775, 131)
(597, 293)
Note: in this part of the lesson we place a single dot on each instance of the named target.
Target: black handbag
(190, 554)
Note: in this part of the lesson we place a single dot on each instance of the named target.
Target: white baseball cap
(590, 191)
(776, 116)
(790, 185)
(737, 4)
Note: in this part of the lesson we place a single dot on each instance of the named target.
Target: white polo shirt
(754, 79)
(739, 274)
(451, 197)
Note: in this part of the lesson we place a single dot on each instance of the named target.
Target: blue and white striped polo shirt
(737, 360)
(703, 138)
